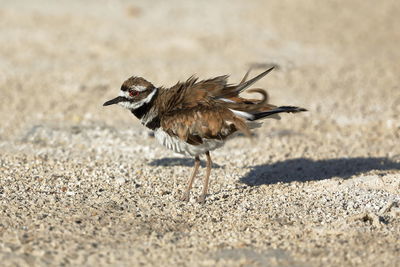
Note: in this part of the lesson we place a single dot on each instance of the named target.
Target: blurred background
(61, 60)
(82, 184)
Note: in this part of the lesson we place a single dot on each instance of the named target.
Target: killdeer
(195, 117)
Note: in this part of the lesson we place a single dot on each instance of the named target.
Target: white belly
(179, 146)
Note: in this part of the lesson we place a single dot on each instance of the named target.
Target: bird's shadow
(300, 169)
(304, 169)
(178, 162)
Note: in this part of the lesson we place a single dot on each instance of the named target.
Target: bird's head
(134, 93)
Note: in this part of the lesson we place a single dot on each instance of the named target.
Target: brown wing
(194, 110)
(216, 91)
(189, 94)
(230, 94)
(195, 124)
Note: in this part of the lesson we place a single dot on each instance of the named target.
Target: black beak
(115, 101)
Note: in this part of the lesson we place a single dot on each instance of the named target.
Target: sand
(81, 184)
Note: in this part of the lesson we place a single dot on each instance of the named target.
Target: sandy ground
(85, 185)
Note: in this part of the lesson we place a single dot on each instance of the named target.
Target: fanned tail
(252, 109)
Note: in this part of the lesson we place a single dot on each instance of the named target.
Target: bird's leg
(185, 196)
(202, 197)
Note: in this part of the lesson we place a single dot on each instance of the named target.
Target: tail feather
(287, 109)
(243, 85)
(252, 109)
(235, 90)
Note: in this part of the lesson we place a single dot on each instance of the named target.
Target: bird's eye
(133, 93)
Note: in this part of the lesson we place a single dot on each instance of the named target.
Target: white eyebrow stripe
(140, 88)
(137, 88)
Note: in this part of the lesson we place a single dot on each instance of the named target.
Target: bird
(196, 116)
